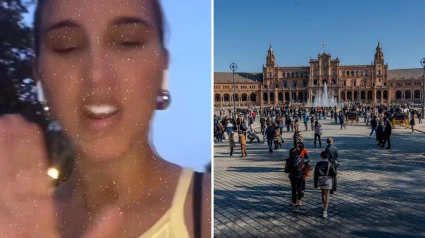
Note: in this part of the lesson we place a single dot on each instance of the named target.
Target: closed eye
(65, 50)
(131, 43)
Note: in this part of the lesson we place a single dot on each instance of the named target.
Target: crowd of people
(275, 121)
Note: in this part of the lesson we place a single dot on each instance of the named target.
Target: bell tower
(379, 56)
(270, 68)
(380, 68)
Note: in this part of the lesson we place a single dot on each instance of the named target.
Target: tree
(16, 55)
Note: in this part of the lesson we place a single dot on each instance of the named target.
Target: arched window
(417, 94)
(398, 95)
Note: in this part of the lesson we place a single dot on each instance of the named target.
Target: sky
(243, 30)
(182, 133)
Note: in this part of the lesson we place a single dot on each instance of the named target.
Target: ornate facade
(370, 83)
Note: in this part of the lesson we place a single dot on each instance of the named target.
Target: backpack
(243, 127)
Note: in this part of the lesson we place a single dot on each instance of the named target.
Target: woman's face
(101, 63)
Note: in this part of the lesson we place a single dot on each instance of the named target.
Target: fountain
(322, 99)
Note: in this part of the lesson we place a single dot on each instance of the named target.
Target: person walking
(287, 122)
(219, 132)
(304, 154)
(312, 121)
(342, 120)
(317, 133)
(336, 117)
(243, 127)
(294, 166)
(324, 174)
(242, 141)
(296, 124)
(231, 144)
(332, 155)
(297, 137)
(270, 132)
(305, 118)
(387, 136)
(229, 128)
(263, 131)
(277, 139)
(412, 122)
(374, 125)
(380, 134)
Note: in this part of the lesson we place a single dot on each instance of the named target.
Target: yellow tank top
(172, 223)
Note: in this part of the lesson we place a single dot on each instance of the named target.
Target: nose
(100, 70)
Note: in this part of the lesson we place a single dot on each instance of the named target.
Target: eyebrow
(118, 21)
(130, 20)
(62, 24)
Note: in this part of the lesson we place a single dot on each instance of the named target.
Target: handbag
(286, 166)
(324, 181)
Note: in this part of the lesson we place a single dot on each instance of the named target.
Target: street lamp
(234, 67)
(423, 87)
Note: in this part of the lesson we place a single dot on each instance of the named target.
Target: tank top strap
(177, 211)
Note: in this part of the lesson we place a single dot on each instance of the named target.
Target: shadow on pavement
(380, 194)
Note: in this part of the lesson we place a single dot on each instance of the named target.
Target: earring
(163, 99)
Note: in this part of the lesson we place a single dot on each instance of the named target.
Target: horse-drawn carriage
(352, 117)
(400, 119)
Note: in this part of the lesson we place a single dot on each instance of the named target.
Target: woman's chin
(102, 152)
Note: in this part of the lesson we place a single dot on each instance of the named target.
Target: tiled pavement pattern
(381, 192)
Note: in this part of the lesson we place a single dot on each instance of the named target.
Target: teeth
(102, 109)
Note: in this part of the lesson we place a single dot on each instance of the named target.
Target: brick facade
(275, 85)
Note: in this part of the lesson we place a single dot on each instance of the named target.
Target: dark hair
(301, 145)
(323, 154)
(159, 17)
(293, 153)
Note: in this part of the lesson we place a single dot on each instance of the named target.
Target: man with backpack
(332, 155)
(243, 127)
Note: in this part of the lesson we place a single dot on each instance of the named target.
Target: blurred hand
(26, 201)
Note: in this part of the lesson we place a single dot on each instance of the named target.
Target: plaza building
(277, 85)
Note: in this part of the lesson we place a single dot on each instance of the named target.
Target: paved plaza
(381, 192)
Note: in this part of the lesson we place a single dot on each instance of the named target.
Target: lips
(100, 111)
(101, 115)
